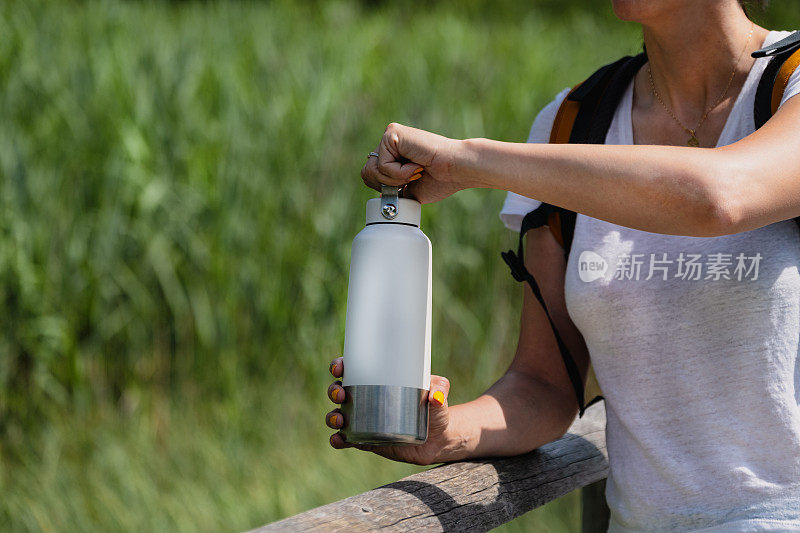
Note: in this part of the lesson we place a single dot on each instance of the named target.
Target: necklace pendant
(693, 142)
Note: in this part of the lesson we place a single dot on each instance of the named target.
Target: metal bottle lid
(390, 209)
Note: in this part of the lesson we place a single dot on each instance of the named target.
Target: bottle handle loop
(389, 203)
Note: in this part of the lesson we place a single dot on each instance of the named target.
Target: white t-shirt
(695, 342)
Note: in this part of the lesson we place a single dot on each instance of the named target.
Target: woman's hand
(421, 454)
(421, 160)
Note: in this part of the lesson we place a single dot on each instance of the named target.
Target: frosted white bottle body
(387, 347)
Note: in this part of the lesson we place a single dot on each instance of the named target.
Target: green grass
(178, 193)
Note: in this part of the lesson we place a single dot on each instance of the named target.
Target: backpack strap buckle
(518, 270)
(781, 46)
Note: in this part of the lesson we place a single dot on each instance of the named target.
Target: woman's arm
(662, 189)
(533, 403)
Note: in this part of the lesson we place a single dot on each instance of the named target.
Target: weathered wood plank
(470, 495)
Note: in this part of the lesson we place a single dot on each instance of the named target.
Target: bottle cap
(409, 212)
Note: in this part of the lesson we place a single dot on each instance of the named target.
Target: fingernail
(331, 366)
(439, 397)
(334, 394)
(332, 420)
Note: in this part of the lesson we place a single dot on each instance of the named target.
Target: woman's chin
(642, 10)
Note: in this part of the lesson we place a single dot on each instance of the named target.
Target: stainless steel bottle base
(383, 414)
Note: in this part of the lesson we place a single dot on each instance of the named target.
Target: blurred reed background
(179, 187)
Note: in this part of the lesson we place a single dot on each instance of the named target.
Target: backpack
(584, 117)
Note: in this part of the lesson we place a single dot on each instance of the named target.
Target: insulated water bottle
(387, 342)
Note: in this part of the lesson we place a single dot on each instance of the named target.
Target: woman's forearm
(516, 415)
(662, 189)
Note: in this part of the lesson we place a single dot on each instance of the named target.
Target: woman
(700, 374)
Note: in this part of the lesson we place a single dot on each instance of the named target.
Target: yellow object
(332, 420)
(334, 394)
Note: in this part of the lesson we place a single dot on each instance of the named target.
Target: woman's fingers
(392, 166)
(437, 399)
(411, 144)
(406, 154)
(440, 389)
(334, 419)
(336, 392)
(338, 442)
(369, 173)
(394, 173)
(391, 163)
(336, 368)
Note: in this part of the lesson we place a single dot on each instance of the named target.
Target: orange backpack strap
(565, 119)
(560, 134)
(782, 79)
(554, 223)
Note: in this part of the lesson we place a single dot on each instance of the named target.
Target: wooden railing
(478, 495)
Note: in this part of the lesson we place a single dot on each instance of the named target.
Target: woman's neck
(693, 51)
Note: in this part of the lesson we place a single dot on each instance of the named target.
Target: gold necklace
(692, 141)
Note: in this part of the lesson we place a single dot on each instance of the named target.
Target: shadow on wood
(470, 495)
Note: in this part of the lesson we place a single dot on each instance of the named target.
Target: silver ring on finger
(373, 154)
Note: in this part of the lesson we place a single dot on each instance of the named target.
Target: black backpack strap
(602, 113)
(516, 262)
(597, 98)
(785, 58)
(567, 219)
